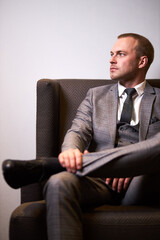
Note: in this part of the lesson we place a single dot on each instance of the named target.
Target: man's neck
(130, 83)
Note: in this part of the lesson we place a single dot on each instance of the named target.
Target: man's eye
(121, 54)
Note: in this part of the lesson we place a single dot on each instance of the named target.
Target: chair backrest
(57, 102)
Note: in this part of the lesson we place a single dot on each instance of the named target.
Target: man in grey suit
(112, 173)
(109, 157)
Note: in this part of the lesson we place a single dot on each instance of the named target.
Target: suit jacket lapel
(111, 110)
(146, 110)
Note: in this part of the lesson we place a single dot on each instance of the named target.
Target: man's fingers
(120, 185)
(86, 151)
(114, 184)
(61, 159)
(108, 180)
(71, 159)
(71, 167)
(126, 183)
(78, 156)
(64, 158)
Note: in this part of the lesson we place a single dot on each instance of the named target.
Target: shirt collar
(139, 88)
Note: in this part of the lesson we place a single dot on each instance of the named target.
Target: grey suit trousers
(67, 194)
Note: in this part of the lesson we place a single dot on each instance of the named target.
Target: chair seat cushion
(123, 222)
(28, 221)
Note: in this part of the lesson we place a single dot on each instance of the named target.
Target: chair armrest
(47, 132)
(47, 128)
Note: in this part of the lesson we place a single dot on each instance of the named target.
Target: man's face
(124, 62)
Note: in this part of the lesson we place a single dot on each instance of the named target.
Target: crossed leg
(129, 161)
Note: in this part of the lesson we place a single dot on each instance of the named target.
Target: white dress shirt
(137, 97)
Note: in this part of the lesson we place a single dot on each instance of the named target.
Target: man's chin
(114, 78)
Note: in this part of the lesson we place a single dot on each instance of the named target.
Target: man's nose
(113, 59)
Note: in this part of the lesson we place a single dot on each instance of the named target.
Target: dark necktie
(128, 106)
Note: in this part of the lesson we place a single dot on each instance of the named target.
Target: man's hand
(118, 184)
(71, 159)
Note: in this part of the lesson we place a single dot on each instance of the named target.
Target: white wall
(56, 39)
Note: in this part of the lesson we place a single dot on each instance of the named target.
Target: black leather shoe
(19, 173)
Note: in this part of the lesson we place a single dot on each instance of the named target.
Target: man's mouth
(112, 69)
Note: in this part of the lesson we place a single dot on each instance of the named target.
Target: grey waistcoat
(126, 134)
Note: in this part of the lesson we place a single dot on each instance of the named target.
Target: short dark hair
(144, 47)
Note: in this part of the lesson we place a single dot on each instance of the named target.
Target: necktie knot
(130, 91)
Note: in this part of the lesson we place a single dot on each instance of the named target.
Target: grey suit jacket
(95, 124)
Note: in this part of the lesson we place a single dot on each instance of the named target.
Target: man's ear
(143, 61)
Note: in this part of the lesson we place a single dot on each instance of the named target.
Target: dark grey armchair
(57, 101)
